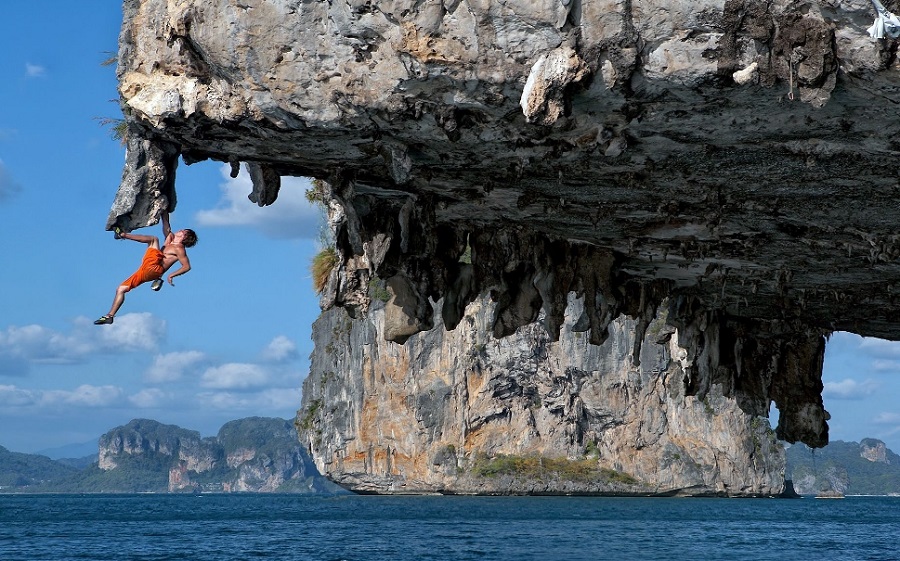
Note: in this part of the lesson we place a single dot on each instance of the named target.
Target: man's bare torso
(171, 254)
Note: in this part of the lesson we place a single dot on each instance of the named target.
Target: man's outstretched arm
(185, 266)
(167, 229)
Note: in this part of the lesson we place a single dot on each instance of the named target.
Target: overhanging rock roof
(735, 161)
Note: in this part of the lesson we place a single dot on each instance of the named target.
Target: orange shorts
(151, 269)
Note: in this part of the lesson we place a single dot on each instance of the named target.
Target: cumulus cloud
(880, 348)
(8, 186)
(887, 419)
(281, 398)
(132, 332)
(11, 396)
(36, 343)
(21, 345)
(85, 395)
(89, 396)
(234, 376)
(149, 398)
(171, 366)
(227, 401)
(885, 365)
(34, 70)
(272, 399)
(280, 349)
(291, 216)
(849, 389)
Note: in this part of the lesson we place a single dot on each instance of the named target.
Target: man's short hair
(190, 238)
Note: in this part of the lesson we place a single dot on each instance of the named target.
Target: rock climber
(155, 263)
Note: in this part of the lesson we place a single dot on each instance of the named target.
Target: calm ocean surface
(370, 528)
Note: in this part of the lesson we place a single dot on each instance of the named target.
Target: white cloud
(40, 344)
(85, 395)
(880, 348)
(272, 399)
(234, 376)
(132, 332)
(885, 365)
(11, 396)
(34, 343)
(226, 401)
(887, 419)
(149, 398)
(290, 216)
(849, 389)
(280, 349)
(34, 70)
(171, 366)
(281, 398)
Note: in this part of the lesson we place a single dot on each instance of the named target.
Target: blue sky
(232, 338)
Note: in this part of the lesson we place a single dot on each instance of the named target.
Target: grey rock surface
(258, 455)
(429, 416)
(734, 158)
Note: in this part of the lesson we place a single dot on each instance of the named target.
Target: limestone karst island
(579, 246)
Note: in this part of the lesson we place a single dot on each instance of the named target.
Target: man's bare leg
(152, 241)
(119, 299)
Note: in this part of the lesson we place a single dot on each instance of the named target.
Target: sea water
(374, 528)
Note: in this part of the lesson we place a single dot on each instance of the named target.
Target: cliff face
(143, 437)
(733, 158)
(462, 412)
(874, 451)
(254, 454)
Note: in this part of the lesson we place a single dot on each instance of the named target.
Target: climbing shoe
(103, 320)
(156, 285)
(117, 233)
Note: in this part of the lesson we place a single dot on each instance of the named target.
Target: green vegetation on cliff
(541, 468)
(322, 265)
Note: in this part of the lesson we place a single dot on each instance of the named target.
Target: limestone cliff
(253, 454)
(733, 158)
(144, 437)
(462, 412)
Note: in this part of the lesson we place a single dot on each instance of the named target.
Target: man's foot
(156, 285)
(104, 320)
(118, 233)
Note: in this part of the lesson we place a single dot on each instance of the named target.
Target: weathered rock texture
(254, 454)
(428, 416)
(738, 158)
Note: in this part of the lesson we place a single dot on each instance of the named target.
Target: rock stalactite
(733, 158)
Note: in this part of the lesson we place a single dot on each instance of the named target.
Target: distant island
(259, 455)
(844, 468)
(255, 454)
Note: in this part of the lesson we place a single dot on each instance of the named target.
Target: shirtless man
(155, 263)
